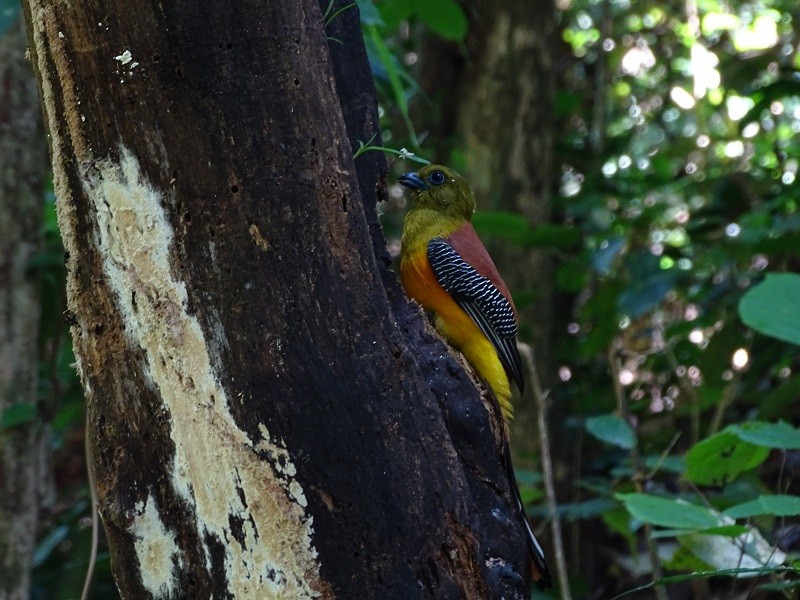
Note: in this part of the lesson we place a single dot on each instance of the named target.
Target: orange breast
(420, 284)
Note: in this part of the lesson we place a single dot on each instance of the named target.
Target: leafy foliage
(675, 240)
(676, 236)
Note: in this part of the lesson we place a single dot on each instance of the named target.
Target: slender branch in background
(636, 462)
(691, 393)
(725, 400)
(547, 470)
(87, 582)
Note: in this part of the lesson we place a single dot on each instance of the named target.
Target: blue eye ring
(437, 178)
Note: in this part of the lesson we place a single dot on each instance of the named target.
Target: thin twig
(547, 471)
(95, 524)
(638, 469)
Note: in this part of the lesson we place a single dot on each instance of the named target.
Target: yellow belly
(456, 326)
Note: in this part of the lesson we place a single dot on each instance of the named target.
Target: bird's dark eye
(437, 178)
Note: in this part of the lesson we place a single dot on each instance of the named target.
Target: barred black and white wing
(477, 296)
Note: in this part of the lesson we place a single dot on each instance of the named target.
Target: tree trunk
(23, 449)
(497, 97)
(268, 415)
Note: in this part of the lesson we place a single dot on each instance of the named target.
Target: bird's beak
(413, 181)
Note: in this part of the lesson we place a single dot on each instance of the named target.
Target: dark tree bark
(497, 97)
(23, 449)
(268, 415)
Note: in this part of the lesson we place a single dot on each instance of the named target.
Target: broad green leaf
(773, 307)
(612, 429)
(720, 458)
(669, 512)
(17, 414)
(444, 17)
(395, 11)
(778, 505)
(770, 435)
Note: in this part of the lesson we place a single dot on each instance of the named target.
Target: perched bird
(445, 267)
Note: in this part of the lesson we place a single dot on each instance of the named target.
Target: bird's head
(440, 188)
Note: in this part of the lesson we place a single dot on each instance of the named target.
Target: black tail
(541, 574)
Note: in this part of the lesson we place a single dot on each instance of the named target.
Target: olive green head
(441, 189)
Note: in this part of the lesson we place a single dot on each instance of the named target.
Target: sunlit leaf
(749, 551)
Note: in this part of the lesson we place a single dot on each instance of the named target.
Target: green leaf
(720, 458)
(444, 17)
(773, 307)
(16, 415)
(612, 429)
(777, 505)
(395, 11)
(769, 435)
(668, 512)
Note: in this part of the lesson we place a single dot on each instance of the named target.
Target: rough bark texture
(497, 97)
(269, 416)
(23, 165)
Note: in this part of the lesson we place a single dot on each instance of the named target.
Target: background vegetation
(673, 358)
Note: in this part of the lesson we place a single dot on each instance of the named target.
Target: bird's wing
(481, 299)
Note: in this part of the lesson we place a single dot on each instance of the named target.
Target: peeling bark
(269, 416)
(23, 449)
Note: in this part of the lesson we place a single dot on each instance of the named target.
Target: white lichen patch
(156, 549)
(125, 57)
(213, 457)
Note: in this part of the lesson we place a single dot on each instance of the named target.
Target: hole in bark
(344, 203)
(229, 45)
(297, 82)
(313, 142)
(179, 72)
(133, 302)
(108, 124)
(213, 400)
(235, 189)
(211, 231)
(187, 216)
(156, 58)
